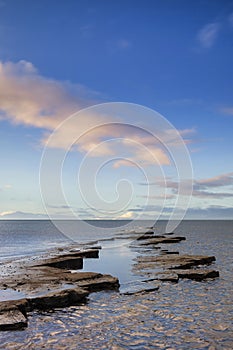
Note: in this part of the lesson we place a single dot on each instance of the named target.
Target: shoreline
(49, 281)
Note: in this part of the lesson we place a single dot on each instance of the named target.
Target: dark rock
(172, 261)
(50, 284)
(90, 253)
(65, 262)
(12, 320)
(60, 298)
(145, 236)
(165, 276)
(163, 252)
(162, 239)
(168, 277)
(197, 275)
(139, 288)
(101, 283)
(13, 315)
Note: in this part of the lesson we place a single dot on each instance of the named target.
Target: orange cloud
(28, 98)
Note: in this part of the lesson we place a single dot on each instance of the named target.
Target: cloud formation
(208, 35)
(227, 110)
(28, 98)
(201, 188)
(217, 181)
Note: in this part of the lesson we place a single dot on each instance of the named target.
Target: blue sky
(174, 57)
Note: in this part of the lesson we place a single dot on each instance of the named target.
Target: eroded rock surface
(170, 266)
(49, 284)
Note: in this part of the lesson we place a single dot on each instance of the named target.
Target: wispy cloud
(208, 35)
(21, 215)
(117, 46)
(123, 44)
(217, 181)
(227, 110)
(201, 188)
(6, 187)
(208, 212)
(230, 19)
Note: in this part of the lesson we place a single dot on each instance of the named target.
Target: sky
(130, 57)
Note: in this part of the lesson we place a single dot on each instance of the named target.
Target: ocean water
(27, 237)
(186, 315)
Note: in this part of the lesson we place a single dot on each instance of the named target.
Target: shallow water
(187, 315)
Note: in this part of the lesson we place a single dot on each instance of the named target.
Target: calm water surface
(187, 315)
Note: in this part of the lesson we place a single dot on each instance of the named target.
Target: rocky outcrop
(175, 261)
(162, 239)
(197, 274)
(13, 315)
(57, 299)
(73, 260)
(72, 263)
(170, 266)
(139, 288)
(50, 284)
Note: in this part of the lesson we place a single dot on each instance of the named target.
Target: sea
(186, 315)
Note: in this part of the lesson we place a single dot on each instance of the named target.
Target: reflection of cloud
(208, 34)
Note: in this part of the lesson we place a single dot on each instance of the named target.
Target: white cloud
(127, 215)
(208, 35)
(28, 98)
(7, 186)
(6, 213)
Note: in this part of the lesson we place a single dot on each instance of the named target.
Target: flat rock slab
(13, 315)
(138, 288)
(101, 283)
(174, 261)
(197, 274)
(87, 254)
(47, 285)
(12, 320)
(163, 239)
(57, 299)
(65, 262)
(165, 276)
(72, 260)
